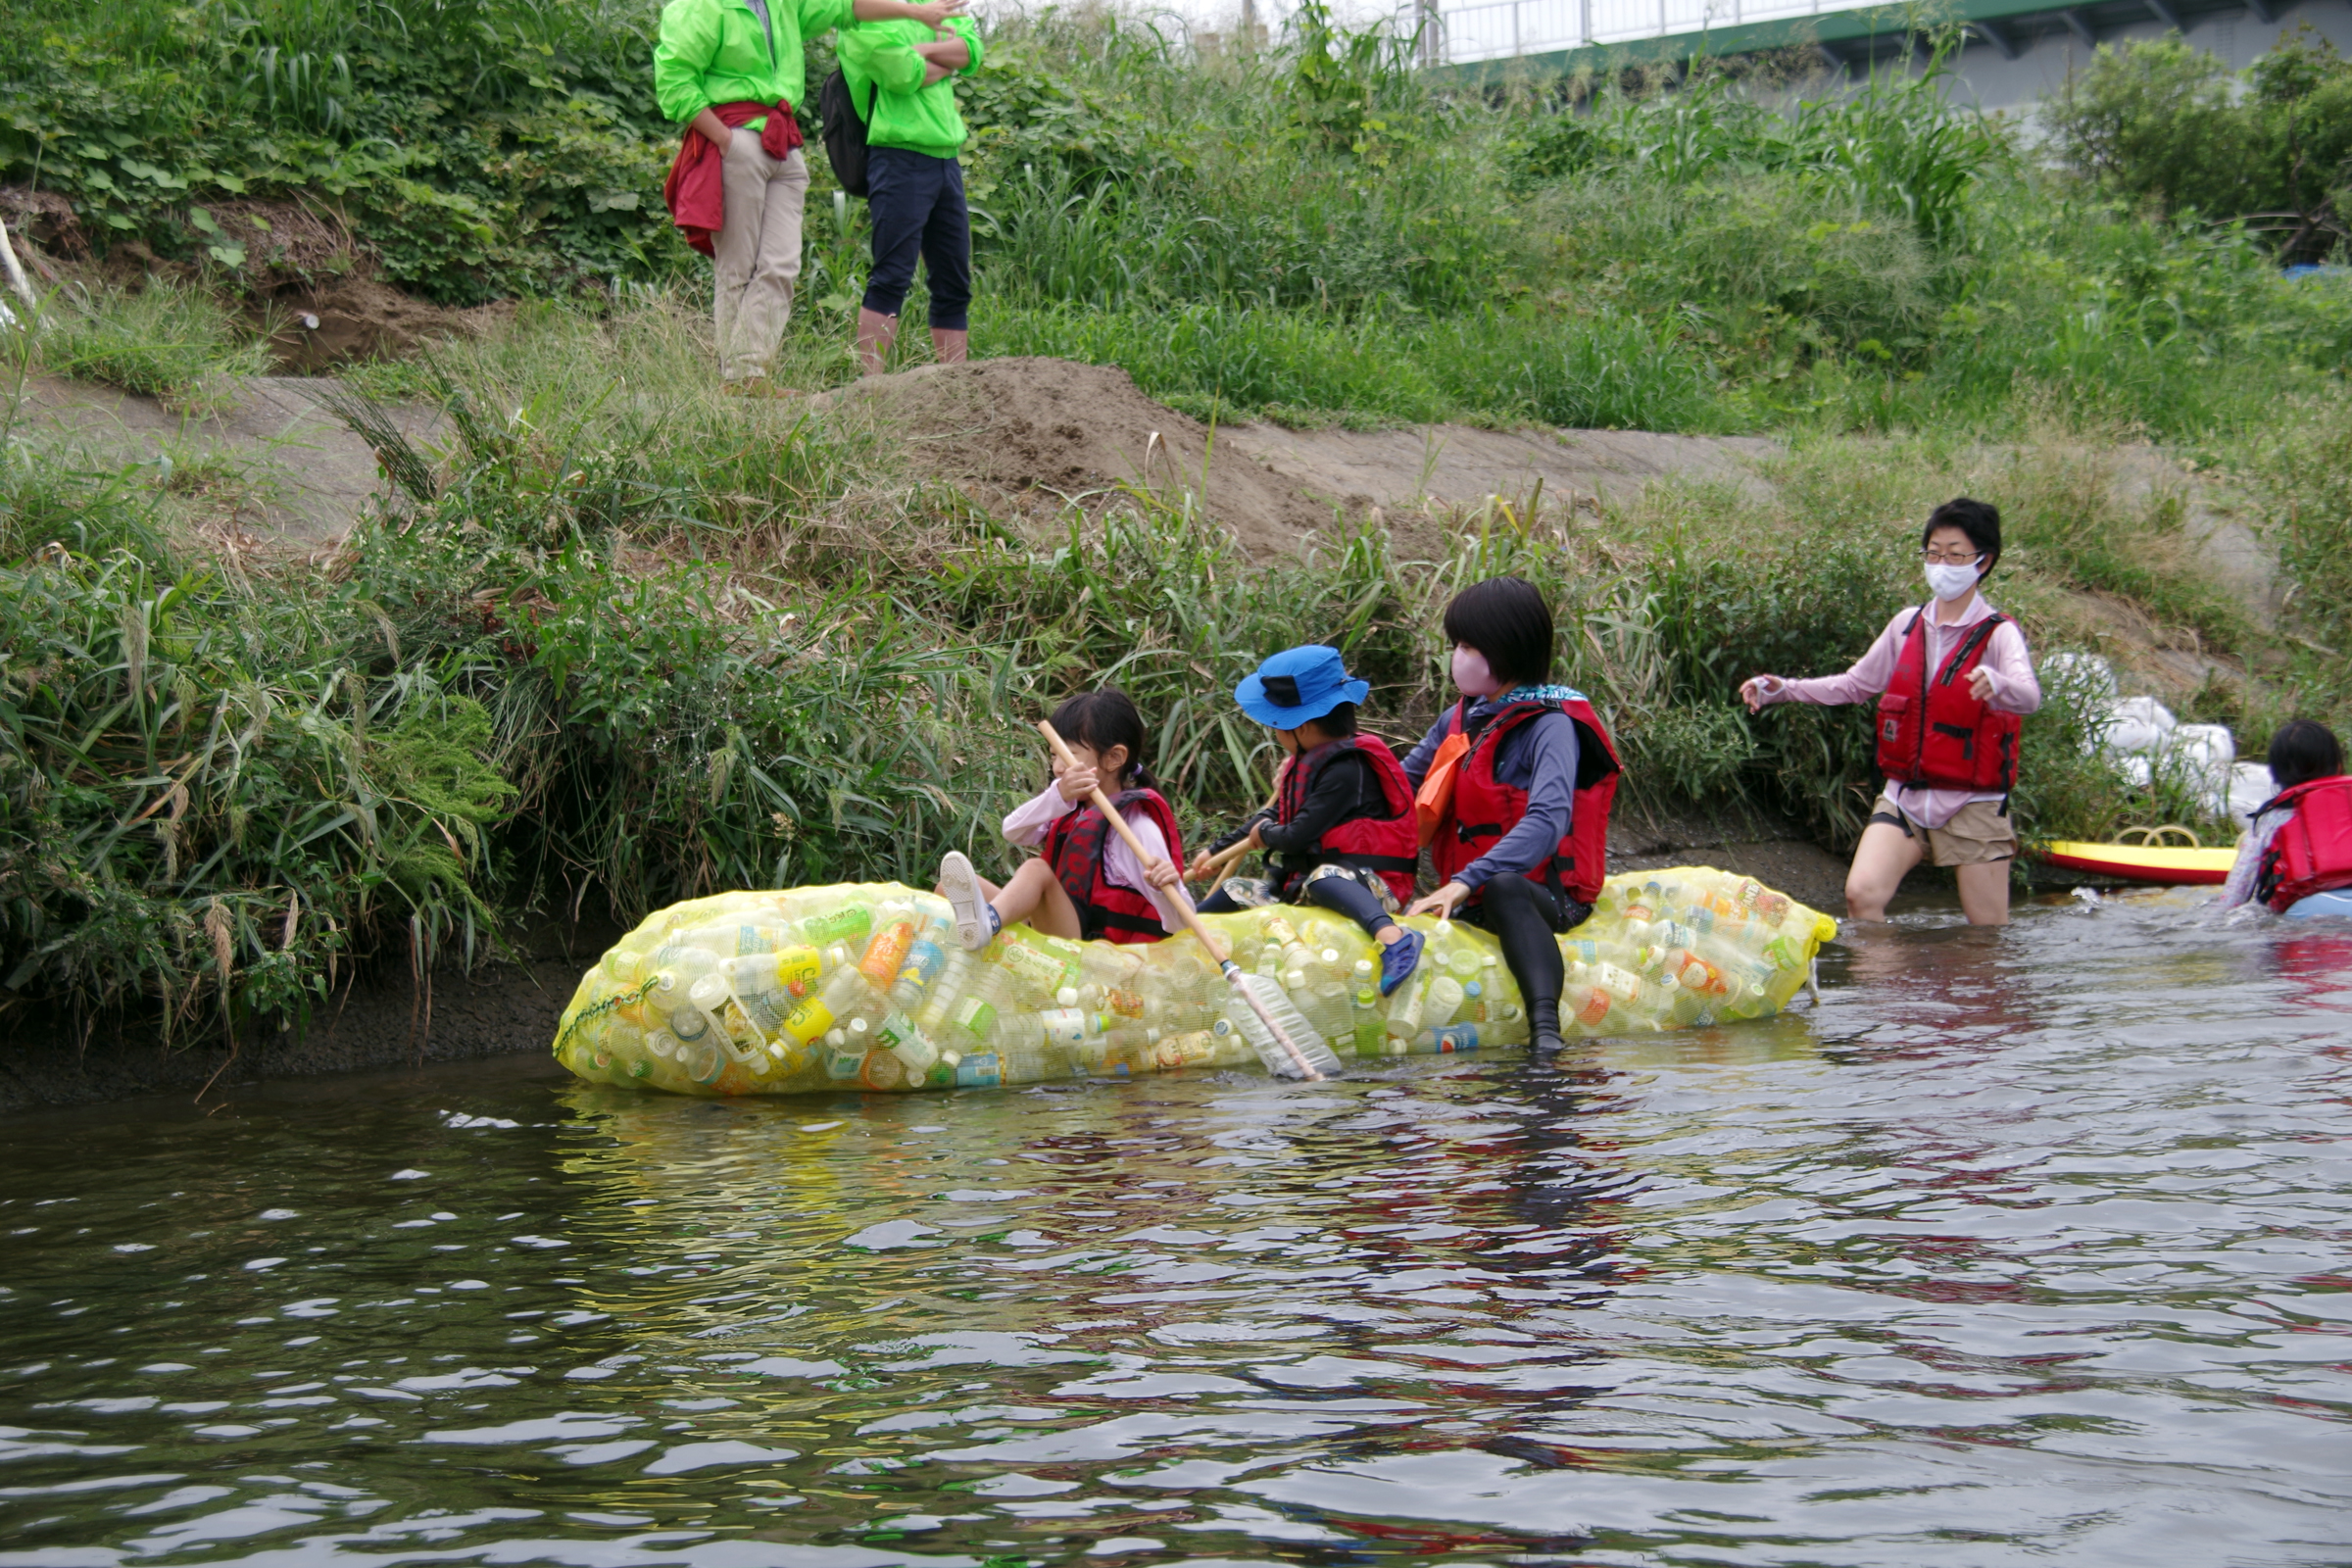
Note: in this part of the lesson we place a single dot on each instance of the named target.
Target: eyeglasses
(1963, 559)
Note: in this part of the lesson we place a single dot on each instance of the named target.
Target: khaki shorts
(1976, 835)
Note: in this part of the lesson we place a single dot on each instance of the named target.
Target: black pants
(1522, 915)
(916, 204)
(1336, 894)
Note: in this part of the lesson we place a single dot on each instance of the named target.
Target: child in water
(1341, 820)
(2309, 872)
(1953, 680)
(1084, 882)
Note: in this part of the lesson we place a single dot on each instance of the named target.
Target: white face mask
(1950, 581)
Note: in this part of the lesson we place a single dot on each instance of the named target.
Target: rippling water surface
(2026, 1246)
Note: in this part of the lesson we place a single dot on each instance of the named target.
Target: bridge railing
(1497, 29)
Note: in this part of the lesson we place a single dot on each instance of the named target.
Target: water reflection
(2026, 1245)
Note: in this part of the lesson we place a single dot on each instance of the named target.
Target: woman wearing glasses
(1953, 679)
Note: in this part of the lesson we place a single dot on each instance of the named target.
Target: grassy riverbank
(630, 641)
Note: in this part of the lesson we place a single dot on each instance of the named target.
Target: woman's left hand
(1980, 684)
(1160, 872)
(1441, 903)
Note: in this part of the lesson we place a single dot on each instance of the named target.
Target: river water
(2025, 1246)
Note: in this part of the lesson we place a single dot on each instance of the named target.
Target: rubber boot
(1543, 1024)
(949, 344)
(875, 333)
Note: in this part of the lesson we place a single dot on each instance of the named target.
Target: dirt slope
(308, 476)
(1029, 433)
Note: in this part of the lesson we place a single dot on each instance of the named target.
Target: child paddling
(1953, 679)
(1342, 820)
(1085, 882)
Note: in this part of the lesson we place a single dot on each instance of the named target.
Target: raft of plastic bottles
(865, 986)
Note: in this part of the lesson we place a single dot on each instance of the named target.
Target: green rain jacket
(905, 113)
(716, 52)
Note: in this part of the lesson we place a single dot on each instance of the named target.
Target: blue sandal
(1399, 960)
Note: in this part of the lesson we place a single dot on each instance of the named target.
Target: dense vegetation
(621, 647)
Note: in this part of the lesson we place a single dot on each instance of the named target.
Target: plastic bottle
(1038, 975)
(1371, 1027)
(841, 1063)
(898, 1035)
(1270, 1051)
(1405, 1006)
(848, 924)
(944, 988)
(887, 952)
(1460, 1038)
(925, 962)
(1443, 1002)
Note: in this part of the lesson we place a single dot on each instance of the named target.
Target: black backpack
(844, 129)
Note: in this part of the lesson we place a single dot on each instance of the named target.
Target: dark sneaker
(1399, 960)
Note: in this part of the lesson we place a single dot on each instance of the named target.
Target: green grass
(165, 341)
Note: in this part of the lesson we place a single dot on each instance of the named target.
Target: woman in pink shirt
(1952, 679)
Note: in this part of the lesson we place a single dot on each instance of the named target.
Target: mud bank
(501, 1009)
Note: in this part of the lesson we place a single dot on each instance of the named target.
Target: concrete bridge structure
(2016, 52)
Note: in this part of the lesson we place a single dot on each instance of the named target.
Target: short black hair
(2304, 749)
(1507, 619)
(1103, 719)
(1340, 720)
(1981, 520)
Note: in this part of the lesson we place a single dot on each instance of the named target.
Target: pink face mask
(1471, 676)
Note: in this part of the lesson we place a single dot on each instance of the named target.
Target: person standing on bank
(1519, 776)
(733, 73)
(1953, 679)
(901, 76)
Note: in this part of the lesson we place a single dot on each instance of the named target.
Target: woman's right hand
(935, 15)
(1759, 690)
(1076, 783)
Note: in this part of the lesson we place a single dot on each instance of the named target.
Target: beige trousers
(757, 251)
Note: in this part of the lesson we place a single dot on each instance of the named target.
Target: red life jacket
(1073, 848)
(2311, 851)
(1386, 842)
(1485, 809)
(1935, 733)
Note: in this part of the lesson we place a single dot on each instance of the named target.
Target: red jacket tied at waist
(695, 192)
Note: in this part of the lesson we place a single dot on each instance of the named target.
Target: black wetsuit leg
(1526, 918)
(1350, 898)
(1218, 902)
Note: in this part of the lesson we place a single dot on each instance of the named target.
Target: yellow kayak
(2141, 862)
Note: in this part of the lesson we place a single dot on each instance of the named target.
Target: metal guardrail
(1498, 29)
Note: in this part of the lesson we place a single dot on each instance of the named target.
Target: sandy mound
(1032, 433)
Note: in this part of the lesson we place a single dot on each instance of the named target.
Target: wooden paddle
(1185, 912)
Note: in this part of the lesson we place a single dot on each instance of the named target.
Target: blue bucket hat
(1299, 685)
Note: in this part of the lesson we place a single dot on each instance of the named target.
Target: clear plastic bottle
(943, 989)
(898, 1035)
(841, 1063)
(1311, 1045)
(1407, 1003)
(1442, 1001)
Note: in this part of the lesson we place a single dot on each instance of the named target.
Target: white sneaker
(960, 885)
